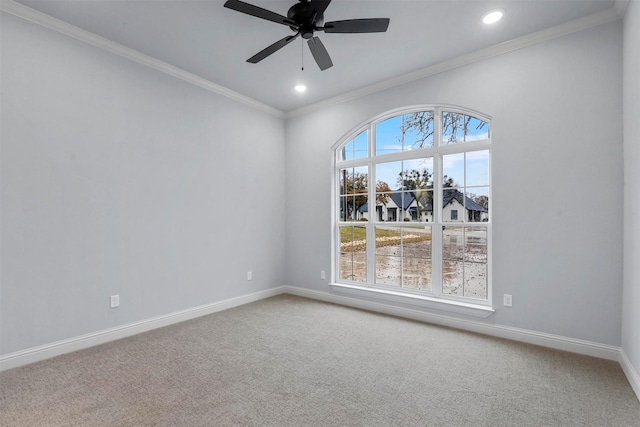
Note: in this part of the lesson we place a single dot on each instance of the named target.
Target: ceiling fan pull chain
(302, 53)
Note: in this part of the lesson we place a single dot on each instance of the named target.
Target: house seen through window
(413, 204)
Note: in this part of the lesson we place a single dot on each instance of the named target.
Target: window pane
(458, 128)
(453, 243)
(477, 129)
(452, 278)
(417, 179)
(477, 168)
(453, 170)
(464, 267)
(416, 253)
(388, 175)
(388, 256)
(353, 194)
(353, 249)
(357, 148)
(477, 204)
(361, 145)
(452, 127)
(346, 153)
(389, 136)
(452, 205)
(417, 173)
(424, 206)
(475, 244)
(416, 274)
(403, 257)
(417, 129)
(389, 209)
(346, 209)
(475, 280)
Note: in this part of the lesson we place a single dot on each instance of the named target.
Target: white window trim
(434, 300)
(425, 301)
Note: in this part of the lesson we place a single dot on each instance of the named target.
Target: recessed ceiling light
(493, 16)
(300, 88)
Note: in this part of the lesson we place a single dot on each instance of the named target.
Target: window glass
(477, 204)
(361, 145)
(477, 167)
(465, 186)
(353, 193)
(389, 256)
(353, 249)
(388, 175)
(389, 136)
(416, 257)
(403, 257)
(436, 191)
(357, 148)
(417, 130)
(404, 133)
(458, 127)
(453, 170)
(464, 258)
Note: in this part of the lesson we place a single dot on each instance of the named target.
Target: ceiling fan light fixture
(300, 88)
(305, 18)
(493, 16)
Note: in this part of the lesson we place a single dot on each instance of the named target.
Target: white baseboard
(630, 372)
(557, 342)
(35, 354)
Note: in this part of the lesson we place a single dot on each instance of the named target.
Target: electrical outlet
(323, 275)
(508, 300)
(249, 275)
(114, 301)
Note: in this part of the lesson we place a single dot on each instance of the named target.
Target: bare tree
(420, 125)
(419, 184)
(355, 187)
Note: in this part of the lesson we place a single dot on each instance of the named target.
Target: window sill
(476, 310)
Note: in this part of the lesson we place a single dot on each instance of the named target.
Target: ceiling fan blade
(368, 25)
(272, 49)
(320, 53)
(319, 6)
(258, 12)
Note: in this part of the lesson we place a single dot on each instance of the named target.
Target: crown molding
(613, 13)
(42, 19)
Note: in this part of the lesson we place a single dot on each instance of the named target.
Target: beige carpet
(290, 361)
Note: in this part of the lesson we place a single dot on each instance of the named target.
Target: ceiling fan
(304, 18)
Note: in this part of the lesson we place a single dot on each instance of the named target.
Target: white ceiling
(212, 42)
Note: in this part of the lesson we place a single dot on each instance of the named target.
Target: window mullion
(371, 234)
(436, 233)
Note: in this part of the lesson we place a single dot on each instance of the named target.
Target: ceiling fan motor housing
(307, 19)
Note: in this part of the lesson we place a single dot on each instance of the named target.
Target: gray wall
(117, 179)
(631, 295)
(557, 179)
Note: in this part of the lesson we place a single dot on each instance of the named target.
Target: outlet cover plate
(114, 301)
(508, 300)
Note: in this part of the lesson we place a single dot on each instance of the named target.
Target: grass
(359, 233)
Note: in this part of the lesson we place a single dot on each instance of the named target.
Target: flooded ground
(464, 267)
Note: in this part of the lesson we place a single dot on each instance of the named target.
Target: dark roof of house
(448, 196)
(397, 199)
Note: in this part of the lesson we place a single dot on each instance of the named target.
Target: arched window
(412, 205)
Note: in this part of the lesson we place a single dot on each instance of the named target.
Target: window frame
(437, 151)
